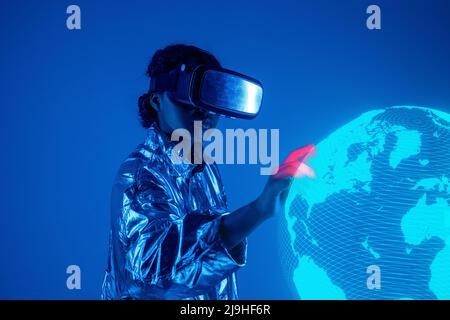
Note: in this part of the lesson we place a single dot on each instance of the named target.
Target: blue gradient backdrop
(68, 110)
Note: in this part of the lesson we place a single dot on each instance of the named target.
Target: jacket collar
(160, 144)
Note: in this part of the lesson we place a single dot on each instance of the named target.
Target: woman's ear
(155, 101)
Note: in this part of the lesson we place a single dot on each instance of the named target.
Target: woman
(172, 236)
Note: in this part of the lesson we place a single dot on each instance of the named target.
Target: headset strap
(164, 81)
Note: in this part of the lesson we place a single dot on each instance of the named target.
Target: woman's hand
(236, 226)
(273, 198)
(240, 223)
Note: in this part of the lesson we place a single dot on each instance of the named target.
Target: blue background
(68, 110)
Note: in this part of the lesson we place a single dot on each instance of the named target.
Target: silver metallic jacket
(165, 241)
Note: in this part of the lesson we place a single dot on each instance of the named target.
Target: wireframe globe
(375, 222)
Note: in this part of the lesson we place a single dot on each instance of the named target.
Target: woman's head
(158, 106)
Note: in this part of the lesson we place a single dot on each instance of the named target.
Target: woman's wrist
(239, 224)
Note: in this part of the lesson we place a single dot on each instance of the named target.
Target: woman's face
(174, 115)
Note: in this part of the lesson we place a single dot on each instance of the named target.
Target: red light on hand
(295, 164)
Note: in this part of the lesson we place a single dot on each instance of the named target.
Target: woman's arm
(236, 226)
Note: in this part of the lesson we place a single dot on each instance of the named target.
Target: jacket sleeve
(171, 254)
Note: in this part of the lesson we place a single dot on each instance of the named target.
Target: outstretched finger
(295, 166)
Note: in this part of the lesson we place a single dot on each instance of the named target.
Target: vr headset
(215, 90)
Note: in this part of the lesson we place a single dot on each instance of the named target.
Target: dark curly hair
(165, 60)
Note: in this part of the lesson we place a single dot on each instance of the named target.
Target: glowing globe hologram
(375, 222)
